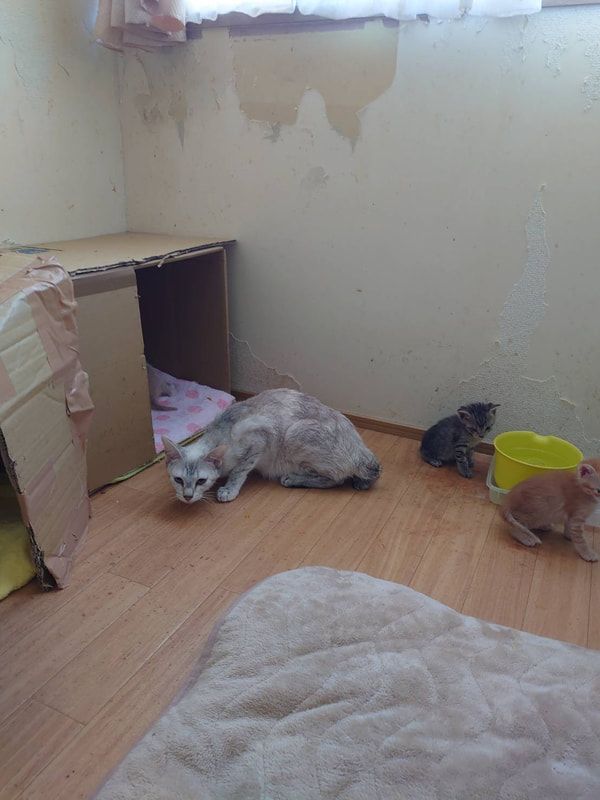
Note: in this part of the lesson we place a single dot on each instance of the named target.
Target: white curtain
(197, 10)
(157, 23)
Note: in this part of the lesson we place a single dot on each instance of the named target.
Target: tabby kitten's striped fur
(453, 439)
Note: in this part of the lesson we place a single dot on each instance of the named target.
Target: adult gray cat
(285, 435)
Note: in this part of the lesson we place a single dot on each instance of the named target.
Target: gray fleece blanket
(327, 684)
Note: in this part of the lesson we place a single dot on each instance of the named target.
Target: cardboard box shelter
(45, 410)
(141, 296)
(138, 296)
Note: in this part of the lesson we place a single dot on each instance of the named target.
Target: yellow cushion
(16, 566)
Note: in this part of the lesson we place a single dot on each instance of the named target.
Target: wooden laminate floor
(85, 671)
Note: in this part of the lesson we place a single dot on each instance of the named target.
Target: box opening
(183, 310)
(183, 314)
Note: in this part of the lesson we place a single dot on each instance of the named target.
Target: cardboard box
(138, 296)
(141, 296)
(45, 410)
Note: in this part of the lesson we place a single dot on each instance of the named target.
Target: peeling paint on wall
(514, 50)
(178, 111)
(500, 378)
(429, 213)
(556, 36)
(274, 132)
(557, 46)
(251, 374)
(146, 105)
(148, 108)
(315, 178)
(347, 70)
(60, 132)
(155, 106)
(591, 83)
(525, 306)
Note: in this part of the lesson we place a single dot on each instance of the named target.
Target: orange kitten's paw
(527, 538)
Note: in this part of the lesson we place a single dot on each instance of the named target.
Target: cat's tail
(369, 470)
(161, 404)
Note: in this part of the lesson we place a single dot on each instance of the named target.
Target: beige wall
(416, 208)
(61, 173)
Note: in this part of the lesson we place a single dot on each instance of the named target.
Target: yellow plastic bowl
(521, 454)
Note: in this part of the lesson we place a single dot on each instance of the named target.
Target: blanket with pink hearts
(188, 410)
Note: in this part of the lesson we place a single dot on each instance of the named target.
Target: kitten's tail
(161, 405)
(369, 470)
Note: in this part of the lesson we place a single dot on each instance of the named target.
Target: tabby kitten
(454, 438)
(560, 497)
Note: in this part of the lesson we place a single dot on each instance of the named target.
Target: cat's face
(588, 474)
(478, 418)
(191, 476)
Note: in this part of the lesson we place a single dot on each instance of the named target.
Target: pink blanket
(195, 407)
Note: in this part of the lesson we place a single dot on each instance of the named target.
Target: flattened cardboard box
(45, 411)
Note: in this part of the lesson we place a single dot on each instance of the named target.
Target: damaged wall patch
(525, 306)
(349, 68)
(249, 373)
(501, 378)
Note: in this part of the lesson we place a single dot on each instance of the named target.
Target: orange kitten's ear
(172, 452)
(216, 456)
(585, 470)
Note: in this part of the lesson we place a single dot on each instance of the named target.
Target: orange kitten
(557, 497)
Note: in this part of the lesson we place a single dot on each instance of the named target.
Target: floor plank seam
(391, 446)
(54, 611)
(155, 653)
(85, 727)
(224, 523)
(302, 494)
(589, 617)
(388, 517)
(432, 535)
(51, 675)
(471, 578)
(299, 561)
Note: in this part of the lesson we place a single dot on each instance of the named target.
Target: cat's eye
(200, 481)
(179, 481)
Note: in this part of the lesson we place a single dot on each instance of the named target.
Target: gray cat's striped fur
(281, 433)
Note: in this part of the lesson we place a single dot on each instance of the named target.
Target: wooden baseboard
(383, 426)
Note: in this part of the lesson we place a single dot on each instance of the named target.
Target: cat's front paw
(225, 494)
(588, 554)
(466, 472)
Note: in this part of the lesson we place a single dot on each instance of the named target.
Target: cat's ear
(585, 470)
(493, 406)
(172, 452)
(216, 456)
(464, 415)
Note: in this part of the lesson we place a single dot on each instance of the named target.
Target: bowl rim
(536, 466)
